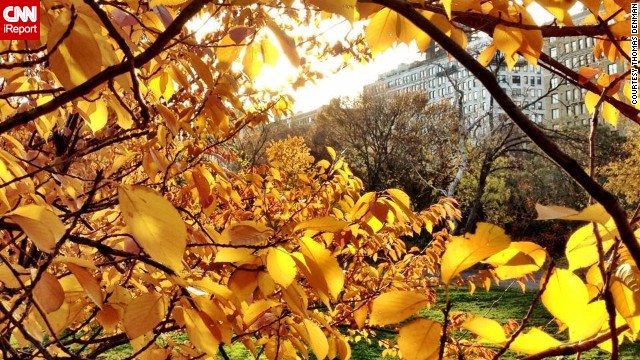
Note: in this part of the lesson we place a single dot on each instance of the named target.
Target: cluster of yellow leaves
(234, 257)
(291, 155)
(421, 338)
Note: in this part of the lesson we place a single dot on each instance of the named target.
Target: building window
(553, 52)
(515, 79)
(612, 68)
(539, 80)
(555, 113)
(568, 95)
(567, 48)
(554, 99)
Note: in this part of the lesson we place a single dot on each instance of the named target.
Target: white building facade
(443, 78)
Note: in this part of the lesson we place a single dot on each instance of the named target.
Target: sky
(347, 82)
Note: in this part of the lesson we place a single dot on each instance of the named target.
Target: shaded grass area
(499, 304)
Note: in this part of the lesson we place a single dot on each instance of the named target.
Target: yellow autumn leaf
(595, 212)
(143, 314)
(325, 272)
(203, 70)
(234, 255)
(56, 321)
(287, 44)
(253, 62)
(591, 100)
(610, 113)
(48, 292)
(256, 310)
(401, 198)
(627, 303)
(382, 30)
(249, 233)
(199, 333)
(317, 339)
(76, 261)
(270, 53)
(155, 224)
(227, 52)
(488, 330)
(519, 259)
(10, 280)
(322, 224)
(346, 8)
(89, 283)
(581, 250)
(386, 27)
(40, 224)
(567, 299)
(586, 74)
(464, 252)
(487, 54)
(420, 340)
(590, 323)
(565, 295)
(559, 9)
(533, 342)
(95, 113)
(75, 60)
(154, 3)
(395, 306)
(108, 318)
(281, 266)
(507, 39)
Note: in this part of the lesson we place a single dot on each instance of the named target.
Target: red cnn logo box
(19, 19)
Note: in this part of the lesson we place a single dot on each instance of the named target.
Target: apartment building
(302, 118)
(565, 106)
(443, 78)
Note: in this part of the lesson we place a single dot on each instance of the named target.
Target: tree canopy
(123, 220)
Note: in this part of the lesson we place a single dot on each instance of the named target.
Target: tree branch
(109, 73)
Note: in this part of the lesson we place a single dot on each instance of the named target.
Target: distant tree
(250, 147)
(623, 173)
(393, 141)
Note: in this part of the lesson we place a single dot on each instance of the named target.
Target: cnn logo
(20, 20)
(14, 14)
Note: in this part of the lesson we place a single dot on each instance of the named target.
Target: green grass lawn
(499, 304)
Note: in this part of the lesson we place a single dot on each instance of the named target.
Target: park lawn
(500, 304)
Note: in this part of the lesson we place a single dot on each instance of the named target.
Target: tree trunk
(476, 206)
